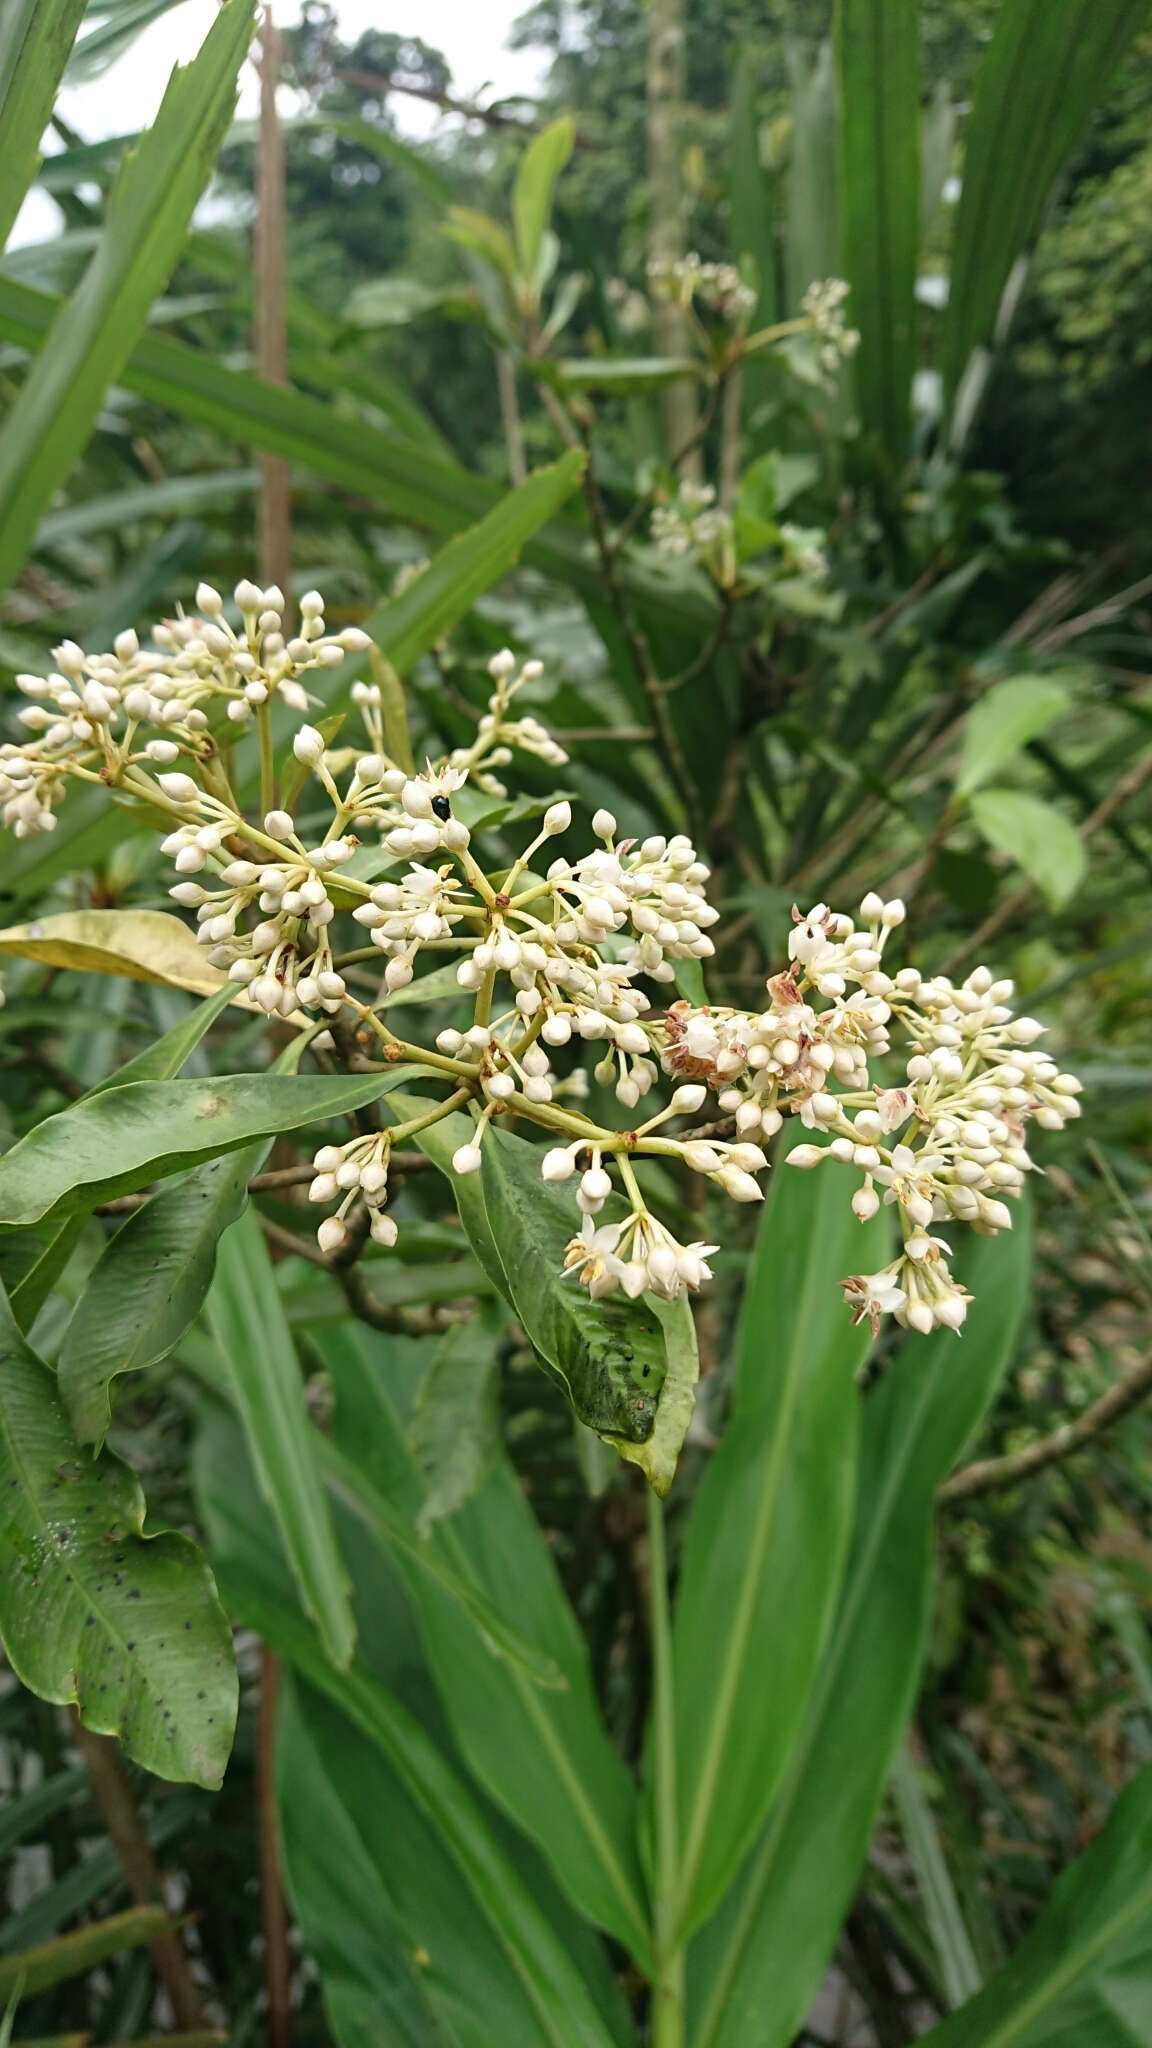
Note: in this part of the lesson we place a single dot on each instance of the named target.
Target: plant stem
(667, 2029)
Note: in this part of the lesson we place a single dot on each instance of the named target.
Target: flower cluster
(691, 523)
(822, 306)
(101, 716)
(543, 963)
(944, 1143)
(688, 280)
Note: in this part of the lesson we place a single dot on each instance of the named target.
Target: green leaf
(455, 1431)
(470, 564)
(769, 1527)
(622, 376)
(371, 1506)
(356, 1913)
(542, 1755)
(536, 175)
(32, 1970)
(1037, 836)
(751, 205)
(27, 1811)
(811, 233)
(1083, 1973)
(115, 1142)
(878, 163)
(1012, 713)
(113, 511)
(610, 1357)
(35, 38)
(146, 218)
(248, 1322)
(143, 945)
(768, 1947)
(158, 1062)
(960, 1972)
(560, 2012)
(91, 1610)
(147, 1288)
(484, 237)
(1044, 71)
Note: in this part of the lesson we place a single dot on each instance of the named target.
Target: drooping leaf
(759, 1962)
(455, 1431)
(1037, 836)
(143, 945)
(543, 1755)
(102, 1147)
(1012, 713)
(35, 38)
(536, 175)
(766, 1539)
(611, 1356)
(113, 511)
(146, 218)
(1044, 71)
(147, 1288)
(1083, 1973)
(160, 1061)
(248, 1322)
(878, 161)
(94, 1612)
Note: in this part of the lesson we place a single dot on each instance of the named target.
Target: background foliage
(957, 709)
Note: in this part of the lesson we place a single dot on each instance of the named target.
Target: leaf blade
(35, 38)
(147, 215)
(92, 1611)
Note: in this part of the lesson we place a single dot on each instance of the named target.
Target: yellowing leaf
(143, 945)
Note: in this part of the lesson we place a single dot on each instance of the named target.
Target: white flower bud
(557, 1164)
(383, 1228)
(466, 1159)
(603, 824)
(248, 596)
(806, 1156)
(557, 818)
(740, 1185)
(308, 746)
(501, 1086)
(595, 1185)
(278, 825)
(865, 1203)
(323, 1188)
(689, 1098)
(332, 1234)
(872, 907)
(208, 601)
(180, 788)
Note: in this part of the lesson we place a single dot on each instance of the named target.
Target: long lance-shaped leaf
(766, 1541)
(562, 2013)
(427, 491)
(113, 1143)
(71, 1955)
(91, 1610)
(470, 564)
(247, 1319)
(762, 1957)
(542, 1755)
(1082, 1976)
(35, 38)
(147, 215)
(1045, 69)
(878, 155)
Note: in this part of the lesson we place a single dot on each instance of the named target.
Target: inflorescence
(935, 1129)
